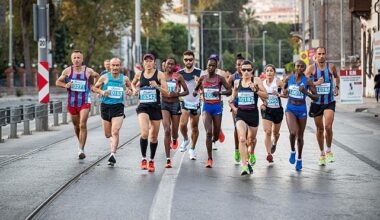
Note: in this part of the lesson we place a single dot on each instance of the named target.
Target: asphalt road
(346, 189)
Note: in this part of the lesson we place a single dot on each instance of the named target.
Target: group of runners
(179, 98)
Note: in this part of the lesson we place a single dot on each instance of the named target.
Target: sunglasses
(188, 60)
(244, 70)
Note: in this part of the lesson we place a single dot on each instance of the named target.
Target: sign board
(304, 57)
(351, 87)
(310, 52)
(376, 51)
(42, 42)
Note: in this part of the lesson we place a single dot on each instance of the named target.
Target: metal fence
(41, 113)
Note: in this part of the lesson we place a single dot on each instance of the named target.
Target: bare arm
(181, 82)
(260, 89)
(134, 82)
(198, 85)
(233, 96)
(99, 84)
(313, 95)
(336, 79)
(164, 86)
(128, 85)
(227, 86)
(61, 81)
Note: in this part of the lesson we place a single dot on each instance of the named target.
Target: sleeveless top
(293, 88)
(79, 93)
(189, 101)
(325, 91)
(209, 88)
(147, 94)
(173, 83)
(246, 98)
(273, 101)
(116, 89)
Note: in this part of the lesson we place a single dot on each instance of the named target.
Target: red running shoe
(144, 165)
(209, 163)
(174, 145)
(221, 136)
(151, 166)
(270, 158)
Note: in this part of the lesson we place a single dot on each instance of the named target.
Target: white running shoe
(192, 154)
(81, 154)
(214, 146)
(184, 145)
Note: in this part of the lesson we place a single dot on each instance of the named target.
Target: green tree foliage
(170, 40)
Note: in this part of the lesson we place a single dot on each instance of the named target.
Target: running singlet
(293, 88)
(149, 95)
(246, 98)
(172, 83)
(189, 101)
(209, 88)
(273, 101)
(116, 90)
(79, 92)
(325, 91)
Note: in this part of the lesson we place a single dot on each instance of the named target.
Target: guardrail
(40, 113)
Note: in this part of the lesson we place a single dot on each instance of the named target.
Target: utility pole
(303, 24)
(342, 52)
(279, 53)
(220, 40)
(10, 62)
(246, 41)
(137, 32)
(188, 25)
(202, 51)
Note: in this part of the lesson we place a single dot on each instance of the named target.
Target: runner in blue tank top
(296, 114)
(112, 87)
(231, 80)
(326, 79)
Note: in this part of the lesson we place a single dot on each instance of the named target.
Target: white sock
(322, 153)
(299, 159)
(112, 154)
(81, 150)
(328, 149)
(168, 158)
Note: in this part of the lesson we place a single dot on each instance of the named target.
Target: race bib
(78, 85)
(246, 98)
(294, 92)
(148, 95)
(172, 85)
(191, 105)
(208, 93)
(116, 92)
(323, 89)
(273, 101)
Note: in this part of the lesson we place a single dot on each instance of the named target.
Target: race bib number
(208, 93)
(78, 85)
(323, 89)
(172, 85)
(246, 98)
(273, 101)
(190, 105)
(115, 92)
(148, 95)
(294, 92)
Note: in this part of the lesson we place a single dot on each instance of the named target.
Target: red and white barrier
(43, 82)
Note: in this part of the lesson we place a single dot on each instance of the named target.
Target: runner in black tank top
(247, 91)
(152, 83)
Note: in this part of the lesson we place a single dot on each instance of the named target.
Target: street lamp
(264, 61)
(202, 47)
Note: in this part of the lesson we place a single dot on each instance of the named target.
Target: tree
(25, 13)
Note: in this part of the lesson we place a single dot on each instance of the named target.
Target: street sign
(304, 57)
(351, 87)
(42, 42)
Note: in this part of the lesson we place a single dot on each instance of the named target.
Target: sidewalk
(369, 105)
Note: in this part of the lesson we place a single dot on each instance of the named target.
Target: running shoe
(174, 145)
(221, 136)
(299, 165)
(209, 163)
(322, 160)
(214, 146)
(144, 165)
(111, 160)
(273, 149)
(151, 166)
(168, 163)
(237, 156)
(184, 145)
(330, 157)
(250, 168)
(252, 159)
(192, 154)
(270, 158)
(81, 154)
(244, 170)
(292, 158)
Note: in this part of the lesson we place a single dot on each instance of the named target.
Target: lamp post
(264, 61)
(188, 25)
(279, 53)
